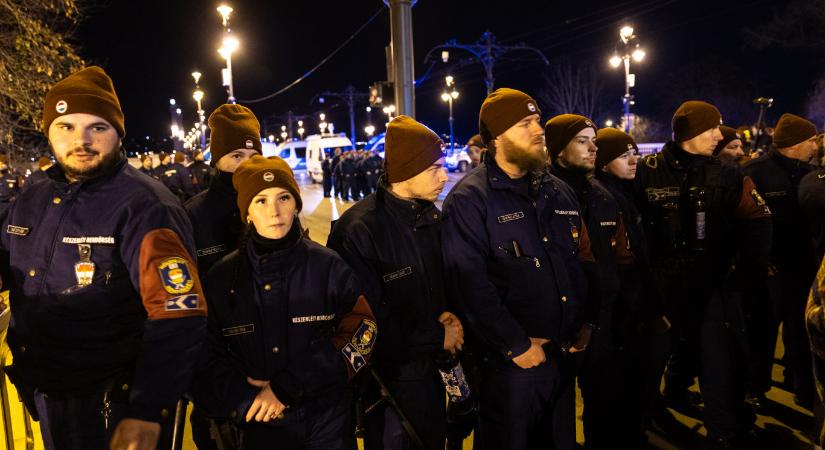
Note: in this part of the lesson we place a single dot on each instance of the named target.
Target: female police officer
(287, 324)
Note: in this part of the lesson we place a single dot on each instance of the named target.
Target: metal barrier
(5, 394)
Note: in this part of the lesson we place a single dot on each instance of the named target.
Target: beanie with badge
(612, 143)
(791, 130)
(87, 91)
(693, 118)
(560, 130)
(233, 127)
(410, 148)
(258, 173)
(501, 110)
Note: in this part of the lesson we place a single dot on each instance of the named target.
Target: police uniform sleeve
(158, 253)
(754, 218)
(332, 361)
(465, 263)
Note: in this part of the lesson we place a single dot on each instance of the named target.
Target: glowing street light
(370, 130)
(628, 48)
(229, 45)
(225, 11)
(449, 97)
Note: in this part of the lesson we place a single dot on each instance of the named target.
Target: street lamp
(449, 97)
(301, 129)
(230, 44)
(628, 48)
(369, 129)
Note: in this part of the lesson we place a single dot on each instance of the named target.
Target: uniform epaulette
(652, 160)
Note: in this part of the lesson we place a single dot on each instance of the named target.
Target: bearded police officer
(108, 312)
(777, 175)
(699, 214)
(392, 240)
(513, 240)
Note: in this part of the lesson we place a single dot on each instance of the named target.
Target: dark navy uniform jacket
(394, 245)
(812, 205)
(37, 176)
(737, 217)
(216, 220)
(777, 178)
(9, 186)
(512, 250)
(178, 179)
(202, 173)
(140, 312)
(295, 316)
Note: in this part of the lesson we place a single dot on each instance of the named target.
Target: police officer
(164, 160)
(392, 240)
(235, 137)
(326, 174)
(177, 178)
(374, 166)
(217, 223)
(146, 165)
(109, 319)
(812, 204)
(475, 146)
(347, 169)
(639, 326)
(693, 207)
(43, 164)
(729, 150)
(360, 175)
(571, 146)
(337, 180)
(777, 175)
(201, 172)
(513, 240)
(9, 181)
(288, 325)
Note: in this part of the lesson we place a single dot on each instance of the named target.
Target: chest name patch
(407, 271)
(211, 250)
(305, 319)
(511, 217)
(175, 275)
(658, 194)
(607, 224)
(565, 212)
(16, 230)
(240, 329)
(89, 240)
(776, 194)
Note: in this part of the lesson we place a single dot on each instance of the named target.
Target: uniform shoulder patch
(364, 337)
(355, 359)
(183, 302)
(175, 275)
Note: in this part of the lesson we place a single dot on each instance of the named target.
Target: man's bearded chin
(526, 159)
(89, 172)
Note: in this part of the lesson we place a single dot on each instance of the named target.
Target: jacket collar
(414, 213)
(677, 158)
(293, 253)
(55, 173)
(790, 165)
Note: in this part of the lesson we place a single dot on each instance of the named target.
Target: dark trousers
(527, 408)
(338, 184)
(348, 187)
(794, 295)
(76, 422)
(330, 428)
(372, 183)
(710, 339)
(612, 383)
(423, 402)
(762, 315)
(327, 184)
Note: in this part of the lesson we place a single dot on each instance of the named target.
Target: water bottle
(452, 374)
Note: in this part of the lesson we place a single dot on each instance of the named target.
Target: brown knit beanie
(612, 143)
(259, 173)
(44, 161)
(791, 130)
(88, 91)
(728, 134)
(560, 130)
(233, 127)
(410, 148)
(476, 140)
(501, 110)
(693, 118)
(180, 157)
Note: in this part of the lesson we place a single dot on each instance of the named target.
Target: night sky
(150, 48)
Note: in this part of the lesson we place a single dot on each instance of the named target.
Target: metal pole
(351, 104)
(231, 79)
(626, 94)
(489, 61)
(402, 55)
(6, 409)
(450, 101)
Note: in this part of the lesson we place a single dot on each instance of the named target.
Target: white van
(317, 146)
(293, 152)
